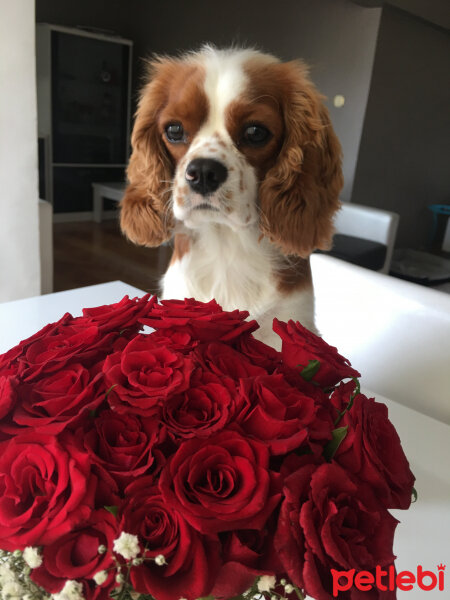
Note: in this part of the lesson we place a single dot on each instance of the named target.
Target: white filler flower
(100, 577)
(266, 583)
(7, 575)
(32, 557)
(12, 591)
(127, 545)
(72, 590)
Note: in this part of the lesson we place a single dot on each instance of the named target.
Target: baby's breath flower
(100, 577)
(266, 583)
(127, 545)
(6, 573)
(120, 578)
(288, 588)
(101, 549)
(160, 560)
(32, 557)
(72, 590)
(12, 590)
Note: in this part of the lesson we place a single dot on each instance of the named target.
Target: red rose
(144, 375)
(123, 445)
(205, 321)
(275, 413)
(221, 483)
(10, 357)
(55, 402)
(175, 339)
(69, 344)
(123, 315)
(46, 488)
(247, 554)
(372, 448)
(8, 394)
(201, 410)
(75, 555)
(222, 360)
(300, 346)
(192, 559)
(328, 520)
(258, 353)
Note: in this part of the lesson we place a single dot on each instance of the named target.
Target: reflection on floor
(86, 253)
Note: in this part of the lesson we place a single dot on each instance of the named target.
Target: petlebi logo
(387, 579)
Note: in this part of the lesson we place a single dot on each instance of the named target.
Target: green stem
(350, 403)
(300, 595)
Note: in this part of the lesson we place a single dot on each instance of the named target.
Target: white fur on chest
(237, 269)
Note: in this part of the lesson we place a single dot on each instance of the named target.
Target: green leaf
(112, 509)
(310, 370)
(338, 435)
(414, 495)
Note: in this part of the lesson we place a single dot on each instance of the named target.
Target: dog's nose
(205, 175)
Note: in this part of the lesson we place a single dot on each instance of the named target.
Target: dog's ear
(145, 215)
(300, 193)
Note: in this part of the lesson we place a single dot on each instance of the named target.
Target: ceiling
(436, 12)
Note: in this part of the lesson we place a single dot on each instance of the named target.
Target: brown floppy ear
(145, 215)
(300, 193)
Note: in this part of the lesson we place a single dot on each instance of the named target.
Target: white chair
(368, 223)
(113, 190)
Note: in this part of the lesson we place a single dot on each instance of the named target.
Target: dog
(234, 156)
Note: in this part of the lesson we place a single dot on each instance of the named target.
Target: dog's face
(222, 136)
(237, 138)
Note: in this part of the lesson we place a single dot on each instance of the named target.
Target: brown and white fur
(246, 243)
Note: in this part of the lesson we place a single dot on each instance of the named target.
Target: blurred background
(70, 76)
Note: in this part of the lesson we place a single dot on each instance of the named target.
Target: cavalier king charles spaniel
(235, 157)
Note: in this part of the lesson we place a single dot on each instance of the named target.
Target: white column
(19, 229)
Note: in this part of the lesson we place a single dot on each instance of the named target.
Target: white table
(111, 191)
(396, 333)
(423, 536)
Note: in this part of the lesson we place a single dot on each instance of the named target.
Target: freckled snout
(205, 175)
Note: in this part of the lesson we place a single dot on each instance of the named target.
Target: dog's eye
(174, 132)
(256, 135)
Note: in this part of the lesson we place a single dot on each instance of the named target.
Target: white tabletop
(423, 536)
(396, 333)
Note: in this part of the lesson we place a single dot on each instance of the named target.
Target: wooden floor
(86, 253)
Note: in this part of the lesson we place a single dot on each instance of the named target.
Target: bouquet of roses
(189, 460)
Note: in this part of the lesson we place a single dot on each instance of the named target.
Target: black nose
(205, 175)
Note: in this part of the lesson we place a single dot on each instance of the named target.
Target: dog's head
(232, 137)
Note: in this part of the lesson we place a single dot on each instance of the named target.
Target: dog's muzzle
(205, 175)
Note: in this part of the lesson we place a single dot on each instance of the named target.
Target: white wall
(19, 231)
